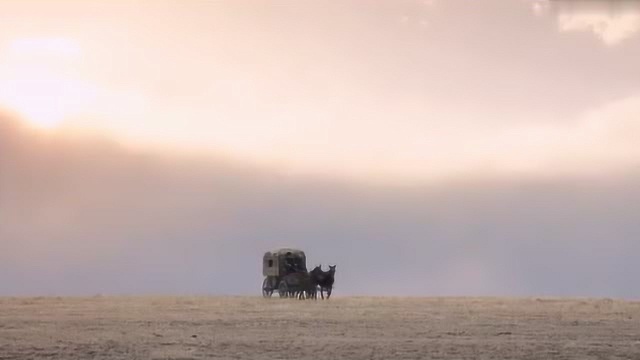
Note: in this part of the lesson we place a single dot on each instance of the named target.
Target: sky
(425, 147)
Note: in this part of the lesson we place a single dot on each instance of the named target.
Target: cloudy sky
(426, 147)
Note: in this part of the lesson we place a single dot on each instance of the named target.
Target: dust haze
(84, 216)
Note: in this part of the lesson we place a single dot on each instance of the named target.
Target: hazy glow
(38, 83)
(81, 216)
(46, 99)
(407, 90)
(47, 47)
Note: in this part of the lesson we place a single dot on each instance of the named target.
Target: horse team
(305, 285)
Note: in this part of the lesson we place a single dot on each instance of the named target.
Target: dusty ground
(342, 328)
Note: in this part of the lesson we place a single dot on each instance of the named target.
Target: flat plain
(105, 327)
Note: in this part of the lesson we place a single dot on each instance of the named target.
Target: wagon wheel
(283, 289)
(267, 290)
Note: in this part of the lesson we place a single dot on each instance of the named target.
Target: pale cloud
(611, 21)
(540, 7)
(600, 140)
(612, 30)
(597, 141)
(594, 142)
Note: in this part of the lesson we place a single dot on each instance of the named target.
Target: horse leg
(322, 292)
(329, 290)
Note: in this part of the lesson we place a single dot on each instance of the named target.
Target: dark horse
(298, 285)
(324, 279)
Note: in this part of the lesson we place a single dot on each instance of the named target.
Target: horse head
(317, 274)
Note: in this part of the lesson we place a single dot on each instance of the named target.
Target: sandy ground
(342, 328)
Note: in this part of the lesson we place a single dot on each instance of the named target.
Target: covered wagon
(277, 268)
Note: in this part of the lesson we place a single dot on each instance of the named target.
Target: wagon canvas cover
(274, 261)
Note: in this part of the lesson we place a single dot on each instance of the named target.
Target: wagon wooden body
(281, 269)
